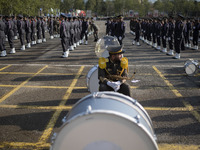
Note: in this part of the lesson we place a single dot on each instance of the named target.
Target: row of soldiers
(116, 27)
(34, 28)
(158, 31)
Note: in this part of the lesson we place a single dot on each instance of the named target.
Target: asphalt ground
(38, 88)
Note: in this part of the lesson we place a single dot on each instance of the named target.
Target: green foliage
(99, 7)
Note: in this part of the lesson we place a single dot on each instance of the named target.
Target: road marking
(176, 92)
(36, 107)
(5, 67)
(178, 147)
(19, 86)
(55, 116)
(22, 145)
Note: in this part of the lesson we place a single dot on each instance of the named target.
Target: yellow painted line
(19, 86)
(70, 107)
(171, 108)
(176, 92)
(37, 107)
(22, 145)
(178, 147)
(5, 67)
(55, 116)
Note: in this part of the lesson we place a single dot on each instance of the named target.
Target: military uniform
(170, 37)
(10, 33)
(178, 36)
(2, 37)
(28, 32)
(65, 35)
(196, 29)
(21, 30)
(33, 29)
(43, 25)
(84, 33)
(120, 30)
(107, 68)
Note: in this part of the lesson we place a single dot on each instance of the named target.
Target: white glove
(120, 38)
(114, 85)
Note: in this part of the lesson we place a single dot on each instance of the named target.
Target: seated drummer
(112, 71)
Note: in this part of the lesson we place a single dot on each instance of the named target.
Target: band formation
(73, 31)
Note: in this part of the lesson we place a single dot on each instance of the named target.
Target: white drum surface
(190, 69)
(92, 80)
(97, 131)
(106, 121)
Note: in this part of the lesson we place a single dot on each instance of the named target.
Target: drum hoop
(129, 103)
(118, 114)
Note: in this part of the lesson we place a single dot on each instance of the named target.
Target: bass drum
(106, 121)
(92, 80)
(191, 67)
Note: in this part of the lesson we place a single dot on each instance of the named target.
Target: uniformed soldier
(154, 32)
(51, 27)
(15, 27)
(158, 33)
(21, 30)
(65, 35)
(108, 26)
(39, 30)
(170, 36)
(196, 28)
(112, 71)
(95, 31)
(10, 33)
(2, 37)
(33, 30)
(178, 35)
(120, 29)
(84, 33)
(164, 30)
(72, 32)
(187, 33)
(43, 26)
(137, 29)
(28, 31)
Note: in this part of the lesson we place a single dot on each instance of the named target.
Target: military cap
(181, 16)
(62, 15)
(41, 17)
(115, 49)
(20, 16)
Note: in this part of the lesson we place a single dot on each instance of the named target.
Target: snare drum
(106, 121)
(92, 80)
(191, 67)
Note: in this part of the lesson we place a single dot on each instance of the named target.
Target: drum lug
(53, 138)
(64, 119)
(137, 118)
(89, 109)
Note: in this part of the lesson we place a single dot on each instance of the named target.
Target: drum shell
(92, 79)
(111, 105)
(112, 101)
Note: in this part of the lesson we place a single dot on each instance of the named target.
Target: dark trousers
(164, 42)
(10, 40)
(170, 43)
(33, 36)
(2, 43)
(28, 37)
(65, 43)
(177, 44)
(158, 40)
(195, 38)
(124, 88)
(137, 36)
(21, 37)
(84, 34)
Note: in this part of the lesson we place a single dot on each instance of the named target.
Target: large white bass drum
(191, 67)
(106, 121)
(92, 79)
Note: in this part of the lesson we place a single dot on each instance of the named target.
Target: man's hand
(114, 85)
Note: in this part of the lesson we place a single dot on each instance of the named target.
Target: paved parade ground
(38, 88)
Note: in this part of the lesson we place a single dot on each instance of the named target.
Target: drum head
(103, 43)
(190, 68)
(103, 131)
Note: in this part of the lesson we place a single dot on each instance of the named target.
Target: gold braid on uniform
(123, 64)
